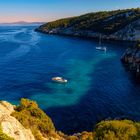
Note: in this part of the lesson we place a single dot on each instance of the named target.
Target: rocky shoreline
(131, 59)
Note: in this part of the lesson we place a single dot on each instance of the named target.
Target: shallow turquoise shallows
(98, 86)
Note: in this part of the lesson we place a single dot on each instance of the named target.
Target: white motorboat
(59, 80)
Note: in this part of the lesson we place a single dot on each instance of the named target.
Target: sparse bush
(87, 135)
(116, 130)
(30, 116)
(72, 138)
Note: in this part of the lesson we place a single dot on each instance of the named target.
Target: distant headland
(117, 25)
(22, 23)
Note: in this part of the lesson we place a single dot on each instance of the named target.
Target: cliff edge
(131, 60)
(10, 125)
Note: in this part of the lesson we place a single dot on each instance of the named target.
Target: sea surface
(98, 87)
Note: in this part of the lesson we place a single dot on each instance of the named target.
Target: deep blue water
(99, 87)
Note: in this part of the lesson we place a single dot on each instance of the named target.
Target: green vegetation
(83, 136)
(4, 136)
(87, 135)
(104, 22)
(117, 130)
(112, 130)
(41, 125)
(30, 116)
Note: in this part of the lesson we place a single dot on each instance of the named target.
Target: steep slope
(130, 32)
(11, 125)
(111, 24)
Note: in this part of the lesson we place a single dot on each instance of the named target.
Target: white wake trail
(25, 45)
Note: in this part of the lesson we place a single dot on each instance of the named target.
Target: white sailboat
(100, 47)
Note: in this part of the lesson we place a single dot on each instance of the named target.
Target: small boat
(101, 48)
(59, 80)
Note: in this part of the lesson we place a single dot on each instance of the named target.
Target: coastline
(95, 38)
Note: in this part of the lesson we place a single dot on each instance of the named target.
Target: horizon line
(27, 21)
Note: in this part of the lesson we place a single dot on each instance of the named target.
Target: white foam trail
(35, 38)
(11, 36)
(22, 50)
(26, 45)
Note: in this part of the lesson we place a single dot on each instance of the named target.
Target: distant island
(23, 23)
(112, 25)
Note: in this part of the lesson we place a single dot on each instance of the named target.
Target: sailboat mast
(100, 40)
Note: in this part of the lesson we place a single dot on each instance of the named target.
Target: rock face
(10, 125)
(14, 129)
(130, 33)
(131, 59)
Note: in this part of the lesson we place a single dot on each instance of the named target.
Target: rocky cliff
(28, 122)
(10, 125)
(112, 25)
(131, 59)
(16, 130)
(129, 33)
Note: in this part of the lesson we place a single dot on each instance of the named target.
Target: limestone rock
(10, 125)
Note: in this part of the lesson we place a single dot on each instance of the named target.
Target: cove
(98, 86)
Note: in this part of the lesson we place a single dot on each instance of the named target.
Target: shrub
(87, 135)
(72, 138)
(116, 130)
(30, 116)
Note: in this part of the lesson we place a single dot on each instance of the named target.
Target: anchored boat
(59, 80)
(100, 47)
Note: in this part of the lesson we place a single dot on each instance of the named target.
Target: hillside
(116, 25)
(28, 122)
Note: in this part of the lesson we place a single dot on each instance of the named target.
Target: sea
(99, 87)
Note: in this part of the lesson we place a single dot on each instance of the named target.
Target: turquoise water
(98, 85)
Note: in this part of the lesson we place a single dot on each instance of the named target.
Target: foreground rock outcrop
(15, 120)
(10, 125)
(28, 122)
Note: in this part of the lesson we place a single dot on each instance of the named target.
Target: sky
(49, 10)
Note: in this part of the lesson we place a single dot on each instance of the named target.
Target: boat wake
(25, 44)
(21, 51)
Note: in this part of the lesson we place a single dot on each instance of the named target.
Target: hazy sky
(47, 10)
